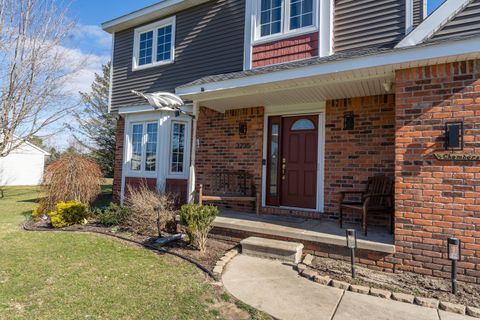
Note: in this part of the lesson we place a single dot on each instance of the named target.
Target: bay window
(278, 18)
(143, 147)
(154, 44)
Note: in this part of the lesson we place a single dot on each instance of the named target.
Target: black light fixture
(349, 121)
(242, 128)
(454, 135)
(352, 245)
(454, 255)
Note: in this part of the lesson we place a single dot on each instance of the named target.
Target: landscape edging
(304, 271)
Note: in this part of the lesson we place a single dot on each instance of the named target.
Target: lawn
(71, 276)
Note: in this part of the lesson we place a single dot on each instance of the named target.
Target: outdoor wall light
(349, 121)
(454, 136)
(242, 128)
(352, 245)
(454, 254)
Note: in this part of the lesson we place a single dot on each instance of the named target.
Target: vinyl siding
(368, 23)
(209, 40)
(417, 12)
(467, 22)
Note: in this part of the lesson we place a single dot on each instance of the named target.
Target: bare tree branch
(33, 69)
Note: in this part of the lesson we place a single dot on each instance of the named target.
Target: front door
(293, 153)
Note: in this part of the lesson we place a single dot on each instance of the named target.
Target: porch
(310, 231)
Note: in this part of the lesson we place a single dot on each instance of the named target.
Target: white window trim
(142, 172)
(186, 151)
(285, 28)
(153, 27)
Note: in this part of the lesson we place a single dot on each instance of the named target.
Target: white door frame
(298, 110)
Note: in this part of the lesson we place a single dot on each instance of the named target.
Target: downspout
(191, 180)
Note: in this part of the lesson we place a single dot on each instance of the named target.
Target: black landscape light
(352, 245)
(454, 255)
(158, 212)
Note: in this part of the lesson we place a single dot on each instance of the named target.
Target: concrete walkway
(273, 287)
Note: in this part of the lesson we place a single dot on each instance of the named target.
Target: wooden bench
(231, 186)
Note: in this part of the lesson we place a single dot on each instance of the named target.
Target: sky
(90, 44)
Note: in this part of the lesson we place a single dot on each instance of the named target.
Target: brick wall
(296, 48)
(437, 199)
(222, 148)
(352, 156)
(117, 167)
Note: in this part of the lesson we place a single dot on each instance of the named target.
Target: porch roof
(342, 75)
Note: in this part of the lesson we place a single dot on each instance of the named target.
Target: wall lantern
(349, 121)
(242, 128)
(454, 255)
(352, 245)
(454, 136)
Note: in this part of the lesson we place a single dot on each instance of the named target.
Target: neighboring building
(24, 166)
(310, 98)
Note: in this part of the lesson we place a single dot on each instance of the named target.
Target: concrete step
(272, 249)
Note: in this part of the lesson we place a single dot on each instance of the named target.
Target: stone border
(220, 265)
(312, 275)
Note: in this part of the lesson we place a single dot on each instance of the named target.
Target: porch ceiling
(301, 91)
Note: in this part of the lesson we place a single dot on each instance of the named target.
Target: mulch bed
(215, 249)
(405, 282)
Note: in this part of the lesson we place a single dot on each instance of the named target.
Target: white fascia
(397, 58)
(110, 88)
(433, 23)
(325, 42)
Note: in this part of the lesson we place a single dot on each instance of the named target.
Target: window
(429, 6)
(303, 124)
(143, 154)
(277, 18)
(177, 163)
(154, 44)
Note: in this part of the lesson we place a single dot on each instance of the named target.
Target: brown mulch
(215, 249)
(405, 282)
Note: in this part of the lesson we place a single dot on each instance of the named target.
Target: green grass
(53, 275)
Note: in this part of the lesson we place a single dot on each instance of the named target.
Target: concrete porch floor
(327, 232)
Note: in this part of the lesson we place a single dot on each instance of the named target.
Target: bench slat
(220, 198)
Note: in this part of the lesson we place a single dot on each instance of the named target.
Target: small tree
(71, 178)
(96, 126)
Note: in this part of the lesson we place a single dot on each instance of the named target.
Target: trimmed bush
(71, 178)
(144, 205)
(68, 214)
(113, 215)
(198, 222)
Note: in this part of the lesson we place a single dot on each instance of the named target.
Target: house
(308, 98)
(23, 166)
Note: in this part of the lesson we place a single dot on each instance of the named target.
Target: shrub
(198, 221)
(113, 215)
(68, 214)
(38, 212)
(71, 178)
(143, 204)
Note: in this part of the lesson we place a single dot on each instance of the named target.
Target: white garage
(23, 166)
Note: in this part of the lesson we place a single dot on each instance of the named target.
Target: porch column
(191, 179)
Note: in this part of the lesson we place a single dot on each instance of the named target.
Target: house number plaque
(457, 157)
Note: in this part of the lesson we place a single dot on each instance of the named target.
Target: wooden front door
(299, 162)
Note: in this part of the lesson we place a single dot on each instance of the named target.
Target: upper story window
(429, 6)
(154, 44)
(281, 18)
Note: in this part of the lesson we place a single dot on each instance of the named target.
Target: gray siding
(368, 23)
(417, 12)
(467, 22)
(209, 40)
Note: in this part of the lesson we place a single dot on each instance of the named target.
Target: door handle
(284, 168)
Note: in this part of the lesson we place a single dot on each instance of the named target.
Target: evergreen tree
(96, 127)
